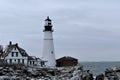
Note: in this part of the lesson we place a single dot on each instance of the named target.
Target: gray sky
(86, 29)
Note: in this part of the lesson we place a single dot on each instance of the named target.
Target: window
(33, 62)
(42, 63)
(18, 60)
(52, 52)
(23, 61)
(10, 61)
(30, 62)
(15, 48)
(12, 54)
(16, 54)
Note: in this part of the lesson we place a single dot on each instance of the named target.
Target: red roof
(66, 58)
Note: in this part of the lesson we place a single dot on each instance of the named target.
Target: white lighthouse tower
(48, 46)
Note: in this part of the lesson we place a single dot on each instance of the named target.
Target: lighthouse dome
(48, 24)
(48, 19)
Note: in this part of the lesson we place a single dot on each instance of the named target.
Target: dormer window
(12, 54)
(16, 54)
(15, 48)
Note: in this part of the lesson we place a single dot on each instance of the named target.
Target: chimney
(1, 48)
(10, 43)
(16, 44)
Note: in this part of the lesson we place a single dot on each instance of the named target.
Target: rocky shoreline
(44, 73)
(112, 73)
(21, 72)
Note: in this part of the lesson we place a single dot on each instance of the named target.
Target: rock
(112, 73)
(86, 75)
(61, 73)
(100, 77)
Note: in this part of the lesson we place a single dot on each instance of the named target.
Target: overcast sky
(85, 29)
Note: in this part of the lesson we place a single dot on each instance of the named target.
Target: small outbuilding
(66, 61)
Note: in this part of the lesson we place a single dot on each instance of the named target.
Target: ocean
(98, 67)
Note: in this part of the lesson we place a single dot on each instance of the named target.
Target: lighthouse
(48, 46)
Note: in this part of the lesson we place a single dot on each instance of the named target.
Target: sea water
(98, 67)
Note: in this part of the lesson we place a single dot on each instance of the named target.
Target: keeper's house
(13, 54)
